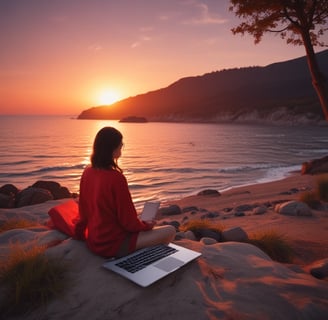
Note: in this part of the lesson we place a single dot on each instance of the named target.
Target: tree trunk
(319, 81)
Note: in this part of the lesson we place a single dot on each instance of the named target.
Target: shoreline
(229, 276)
(307, 235)
(265, 180)
(255, 191)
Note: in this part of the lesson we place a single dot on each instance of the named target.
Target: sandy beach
(231, 280)
(308, 235)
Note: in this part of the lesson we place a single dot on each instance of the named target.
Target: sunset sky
(64, 56)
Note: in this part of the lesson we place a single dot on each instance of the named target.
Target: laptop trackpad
(169, 264)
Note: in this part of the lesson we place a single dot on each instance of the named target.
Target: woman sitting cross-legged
(106, 208)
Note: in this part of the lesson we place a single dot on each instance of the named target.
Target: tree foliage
(291, 18)
(299, 22)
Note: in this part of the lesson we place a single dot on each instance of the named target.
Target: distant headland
(134, 119)
(279, 92)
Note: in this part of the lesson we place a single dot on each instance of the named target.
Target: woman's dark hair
(107, 140)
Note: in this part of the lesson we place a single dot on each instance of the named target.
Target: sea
(161, 161)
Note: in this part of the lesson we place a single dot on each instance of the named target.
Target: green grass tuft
(29, 279)
(273, 244)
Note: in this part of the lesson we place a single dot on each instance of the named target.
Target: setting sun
(108, 97)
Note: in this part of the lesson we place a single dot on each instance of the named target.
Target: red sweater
(107, 212)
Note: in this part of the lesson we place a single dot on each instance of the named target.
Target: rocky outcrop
(39, 192)
(32, 195)
(56, 190)
(315, 166)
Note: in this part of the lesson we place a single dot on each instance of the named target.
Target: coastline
(228, 276)
(270, 190)
(307, 235)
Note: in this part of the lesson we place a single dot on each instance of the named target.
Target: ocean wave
(278, 173)
(59, 168)
(56, 156)
(255, 167)
(42, 171)
(15, 163)
(182, 170)
(270, 135)
(163, 170)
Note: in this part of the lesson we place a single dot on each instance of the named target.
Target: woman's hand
(150, 223)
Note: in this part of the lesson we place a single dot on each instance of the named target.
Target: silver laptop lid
(156, 270)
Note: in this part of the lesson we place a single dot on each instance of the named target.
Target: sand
(229, 281)
(308, 235)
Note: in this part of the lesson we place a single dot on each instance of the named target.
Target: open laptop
(146, 266)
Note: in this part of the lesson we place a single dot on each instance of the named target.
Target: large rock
(315, 166)
(170, 210)
(31, 196)
(209, 192)
(294, 208)
(207, 233)
(229, 281)
(9, 189)
(234, 234)
(57, 191)
(7, 201)
(8, 193)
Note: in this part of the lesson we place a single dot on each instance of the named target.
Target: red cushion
(64, 217)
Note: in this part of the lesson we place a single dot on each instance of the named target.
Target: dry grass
(29, 279)
(271, 242)
(17, 224)
(322, 187)
(194, 225)
(310, 198)
(320, 193)
(274, 244)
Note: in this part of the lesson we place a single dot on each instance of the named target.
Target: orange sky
(64, 56)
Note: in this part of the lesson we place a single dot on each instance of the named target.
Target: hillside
(274, 92)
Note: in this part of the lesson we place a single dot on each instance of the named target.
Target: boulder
(8, 193)
(209, 192)
(207, 233)
(57, 191)
(170, 210)
(207, 241)
(174, 223)
(190, 235)
(234, 234)
(7, 201)
(9, 189)
(294, 208)
(259, 210)
(243, 207)
(31, 195)
(209, 215)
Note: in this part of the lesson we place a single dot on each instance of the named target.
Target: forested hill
(277, 91)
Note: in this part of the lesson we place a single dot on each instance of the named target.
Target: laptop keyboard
(145, 258)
